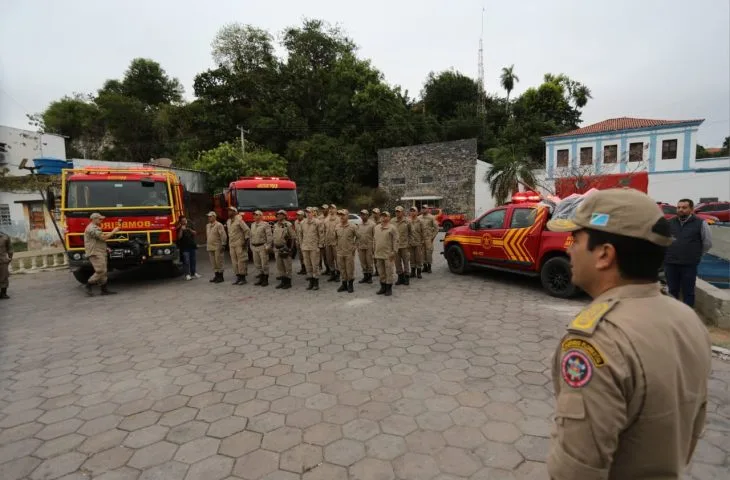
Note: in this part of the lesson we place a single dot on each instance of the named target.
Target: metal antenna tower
(480, 79)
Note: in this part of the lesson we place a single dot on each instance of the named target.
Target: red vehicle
(670, 211)
(720, 210)
(570, 185)
(513, 238)
(144, 201)
(447, 221)
(268, 194)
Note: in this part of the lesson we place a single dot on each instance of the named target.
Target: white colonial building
(663, 148)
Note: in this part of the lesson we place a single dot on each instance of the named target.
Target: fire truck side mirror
(50, 200)
(472, 225)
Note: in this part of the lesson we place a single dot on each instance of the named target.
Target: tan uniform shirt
(404, 232)
(330, 225)
(215, 236)
(298, 231)
(238, 231)
(630, 379)
(283, 231)
(311, 238)
(94, 243)
(385, 241)
(417, 233)
(261, 234)
(365, 231)
(346, 237)
(6, 248)
(430, 227)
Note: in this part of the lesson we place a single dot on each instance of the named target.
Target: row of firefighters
(385, 248)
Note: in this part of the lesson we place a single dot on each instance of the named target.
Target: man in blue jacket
(691, 239)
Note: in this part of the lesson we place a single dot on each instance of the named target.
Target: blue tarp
(715, 270)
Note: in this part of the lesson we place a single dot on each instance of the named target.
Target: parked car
(447, 221)
(670, 211)
(720, 210)
(354, 219)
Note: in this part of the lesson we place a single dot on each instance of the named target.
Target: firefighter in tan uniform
(630, 375)
(416, 243)
(6, 256)
(298, 237)
(430, 231)
(330, 243)
(385, 245)
(346, 236)
(239, 236)
(311, 239)
(403, 255)
(321, 217)
(215, 240)
(365, 246)
(96, 252)
(284, 239)
(376, 221)
(261, 238)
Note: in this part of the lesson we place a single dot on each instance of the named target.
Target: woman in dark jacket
(188, 247)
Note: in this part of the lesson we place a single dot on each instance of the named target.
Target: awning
(422, 197)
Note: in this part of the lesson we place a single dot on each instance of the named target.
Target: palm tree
(510, 168)
(580, 94)
(508, 79)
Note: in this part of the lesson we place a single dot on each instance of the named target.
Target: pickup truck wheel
(555, 276)
(456, 260)
(447, 225)
(82, 275)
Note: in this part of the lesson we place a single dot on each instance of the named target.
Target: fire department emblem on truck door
(486, 240)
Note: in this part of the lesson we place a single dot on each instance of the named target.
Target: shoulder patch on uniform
(587, 320)
(576, 368)
(586, 347)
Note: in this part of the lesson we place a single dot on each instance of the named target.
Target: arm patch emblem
(585, 347)
(576, 368)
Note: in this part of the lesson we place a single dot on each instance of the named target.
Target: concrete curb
(713, 304)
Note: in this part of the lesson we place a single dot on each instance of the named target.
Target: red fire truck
(146, 202)
(268, 194)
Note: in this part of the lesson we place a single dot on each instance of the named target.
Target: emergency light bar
(523, 197)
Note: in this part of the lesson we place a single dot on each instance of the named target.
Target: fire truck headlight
(167, 251)
(159, 251)
(77, 256)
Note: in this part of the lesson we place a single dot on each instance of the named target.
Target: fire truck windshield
(115, 193)
(266, 199)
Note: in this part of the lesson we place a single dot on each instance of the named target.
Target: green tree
(445, 93)
(226, 162)
(146, 81)
(508, 78)
(510, 168)
(79, 119)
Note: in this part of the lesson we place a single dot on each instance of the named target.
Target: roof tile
(621, 123)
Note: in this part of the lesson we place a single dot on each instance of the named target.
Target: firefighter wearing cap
(321, 216)
(239, 236)
(261, 239)
(376, 221)
(403, 254)
(298, 236)
(365, 246)
(630, 374)
(284, 240)
(96, 252)
(330, 244)
(311, 239)
(385, 243)
(346, 237)
(215, 240)
(416, 243)
(430, 231)
(6, 256)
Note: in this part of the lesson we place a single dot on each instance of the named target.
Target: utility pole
(480, 73)
(243, 139)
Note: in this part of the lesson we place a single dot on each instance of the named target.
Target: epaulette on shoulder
(587, 320)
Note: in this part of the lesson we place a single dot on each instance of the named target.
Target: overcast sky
(667, 59)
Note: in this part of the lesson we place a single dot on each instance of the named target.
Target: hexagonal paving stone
(464, 437)
(501, 432)
(252, 408)
(304, 418)
(256, 465)
(360, 429)
(108, 460)
(240, 444)
(437, 421)
(186, 432)
(398, 425)
(226, 427)
(146, 436)
(102, 441)
(59, 445)
(139, 420)
(282, 439)
(169, 469)
(413, 466)
(533, 448)
(372, 469)
(386, 447)
(178, 416)
(322, 434)
(212, 468)
(197, 450)
(58, 466)
(499, 455)
(321, 401)
(326, 471)
(152, 455)
(266, 422)
(344, 452)
(301, 458)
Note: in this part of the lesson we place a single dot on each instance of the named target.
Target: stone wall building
(445, 174)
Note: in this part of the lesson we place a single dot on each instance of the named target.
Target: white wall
(483, 199)
(718, 162)
(670, 187)
(18, 230)
(22, 144)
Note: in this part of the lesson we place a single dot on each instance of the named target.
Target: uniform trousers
(311, 262)
(366, 259)
(216, 260)
(417, 256)
(402, 261)
(99, 263)
(347, 267)
(330, 252)
(4, 275)
(261, 259)
(239, 259)
(428, 252)
(385, 269)
(283, 264)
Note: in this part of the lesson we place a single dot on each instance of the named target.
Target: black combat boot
(265, 281)
(418, 273)
(287, 283)
(282, 281)
(364, 278)
(89, 289)
(406, 280)
(316, 284)
(4, 294)
(219, 278)
(389, 290)
(383, 288)
(333, 275)
(311, 283)
(243, 280)
(260, 279)
(401, 279)
(303, 271)
(238, 280)
(343, 287)
(427, 268)
(368, 278)
(106, 291)
(327, 271)
(413, 272)
(215, 278)
(350, 286)
(337, 275)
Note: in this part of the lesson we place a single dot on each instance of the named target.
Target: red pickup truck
(513, 238)
(447, 221)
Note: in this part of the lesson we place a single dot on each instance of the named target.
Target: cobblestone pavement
(448, 379)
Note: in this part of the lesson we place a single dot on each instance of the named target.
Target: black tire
(456, 260)
(555, 277)
(447, 225)
(82, 275)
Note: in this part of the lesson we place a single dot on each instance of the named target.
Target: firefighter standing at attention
(365, 246)
(261, 246)
(311, 240)
(376, 221)
(631, 372)
(238, 237)
(346, 237)
(298, 237)
(416, 244)
(430, 231)
(321, 216)
(330, 243)
(96, 251)
(284, 239)
(403, 254)
(6, 256)
(215, 240)
(385, 242)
